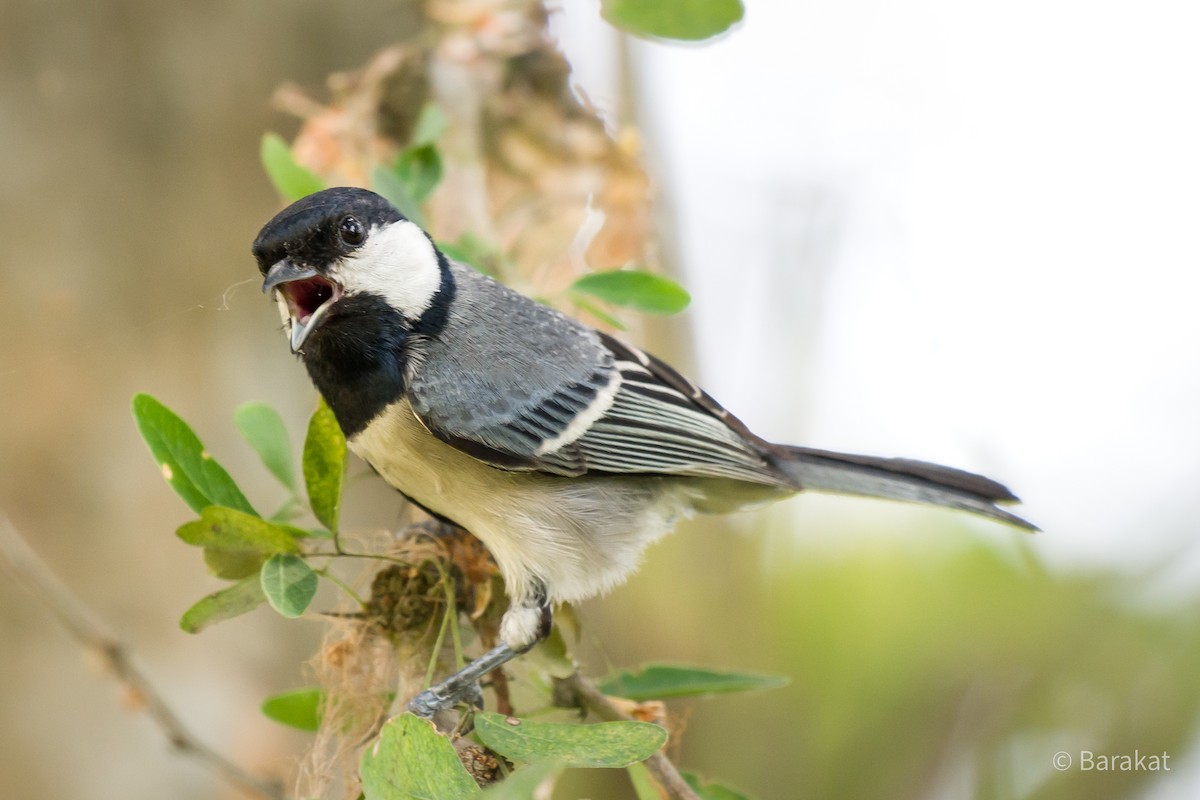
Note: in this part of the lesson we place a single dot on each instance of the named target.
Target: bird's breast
(577, 537)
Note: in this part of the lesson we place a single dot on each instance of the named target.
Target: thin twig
(81, 622)
(659, 765)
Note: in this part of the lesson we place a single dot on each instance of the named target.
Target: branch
(89, 630)
(659, 765)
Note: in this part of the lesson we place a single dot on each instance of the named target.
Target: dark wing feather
(662, 423)
(541, 392)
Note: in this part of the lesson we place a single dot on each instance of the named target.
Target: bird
(563, 449)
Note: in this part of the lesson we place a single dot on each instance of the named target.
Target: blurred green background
(930, 656)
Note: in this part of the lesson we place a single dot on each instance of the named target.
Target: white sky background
(964, 232)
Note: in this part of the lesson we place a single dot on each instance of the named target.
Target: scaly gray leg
(464, 684)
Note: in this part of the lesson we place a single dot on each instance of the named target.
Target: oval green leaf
(603, 744)
(643, 291)
(420, 170)
(658, 681)
(232, 565)
(184, 462)
(229, 529)
(299, 708)
(291, 180)
(289, 584)
(687, 20)
(412, 761)
(324, 465)
(240, 598)
(262, 428)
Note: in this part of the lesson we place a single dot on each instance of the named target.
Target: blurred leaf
(292, 507)
(658, 681)
(552, 656)
(601, 314)
(472, 251)
(291, 180)
(236, 544)
(420, 170)
(299, 708)
(430, 125)
(232, 601)
(289, 584)
(603, 744)
(643, 785)
(522, 783)
(262, 428)
(186, 465)
(324, 465)
(388, 184)
(232, 565)
(643, 291)
(689, 20)
(411, 761)
(711, 790)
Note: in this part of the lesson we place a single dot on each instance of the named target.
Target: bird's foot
(446, 695)
(462, 685)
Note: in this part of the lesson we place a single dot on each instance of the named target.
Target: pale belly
(578, 537)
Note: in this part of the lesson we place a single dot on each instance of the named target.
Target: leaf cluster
(267, 560)
(264, 557)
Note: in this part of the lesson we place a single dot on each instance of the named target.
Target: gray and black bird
(563, 449)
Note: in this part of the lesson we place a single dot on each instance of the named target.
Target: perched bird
(563, 449)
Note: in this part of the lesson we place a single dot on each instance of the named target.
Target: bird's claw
(444, 696)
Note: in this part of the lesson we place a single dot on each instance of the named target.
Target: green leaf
(240, 598)
(643, 291)
(420, 170)
(657, 681)
(472, 251)
(522, 783)
(299, 708)
(262, 428)
(430, 125)
(291, 180)
(324, 465)
(600, 314)
(710, 790)
(186, 465)
(411, 761)
(232, 565)
(643, 785)
(604, 744)
(229, 529)
(289, 584)
(388, 184)
(689, 20)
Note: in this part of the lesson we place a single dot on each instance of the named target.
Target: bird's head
(324, 253)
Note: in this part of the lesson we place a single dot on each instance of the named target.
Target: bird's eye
(351, 231)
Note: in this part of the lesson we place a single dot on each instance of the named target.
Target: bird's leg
(526, 623)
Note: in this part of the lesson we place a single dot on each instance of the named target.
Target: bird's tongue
(304, 297)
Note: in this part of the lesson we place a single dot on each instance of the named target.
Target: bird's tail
(898, 479)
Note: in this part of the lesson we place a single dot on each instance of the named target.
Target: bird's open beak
(307, 294)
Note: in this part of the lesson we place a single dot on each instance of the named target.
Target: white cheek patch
(397, 263)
